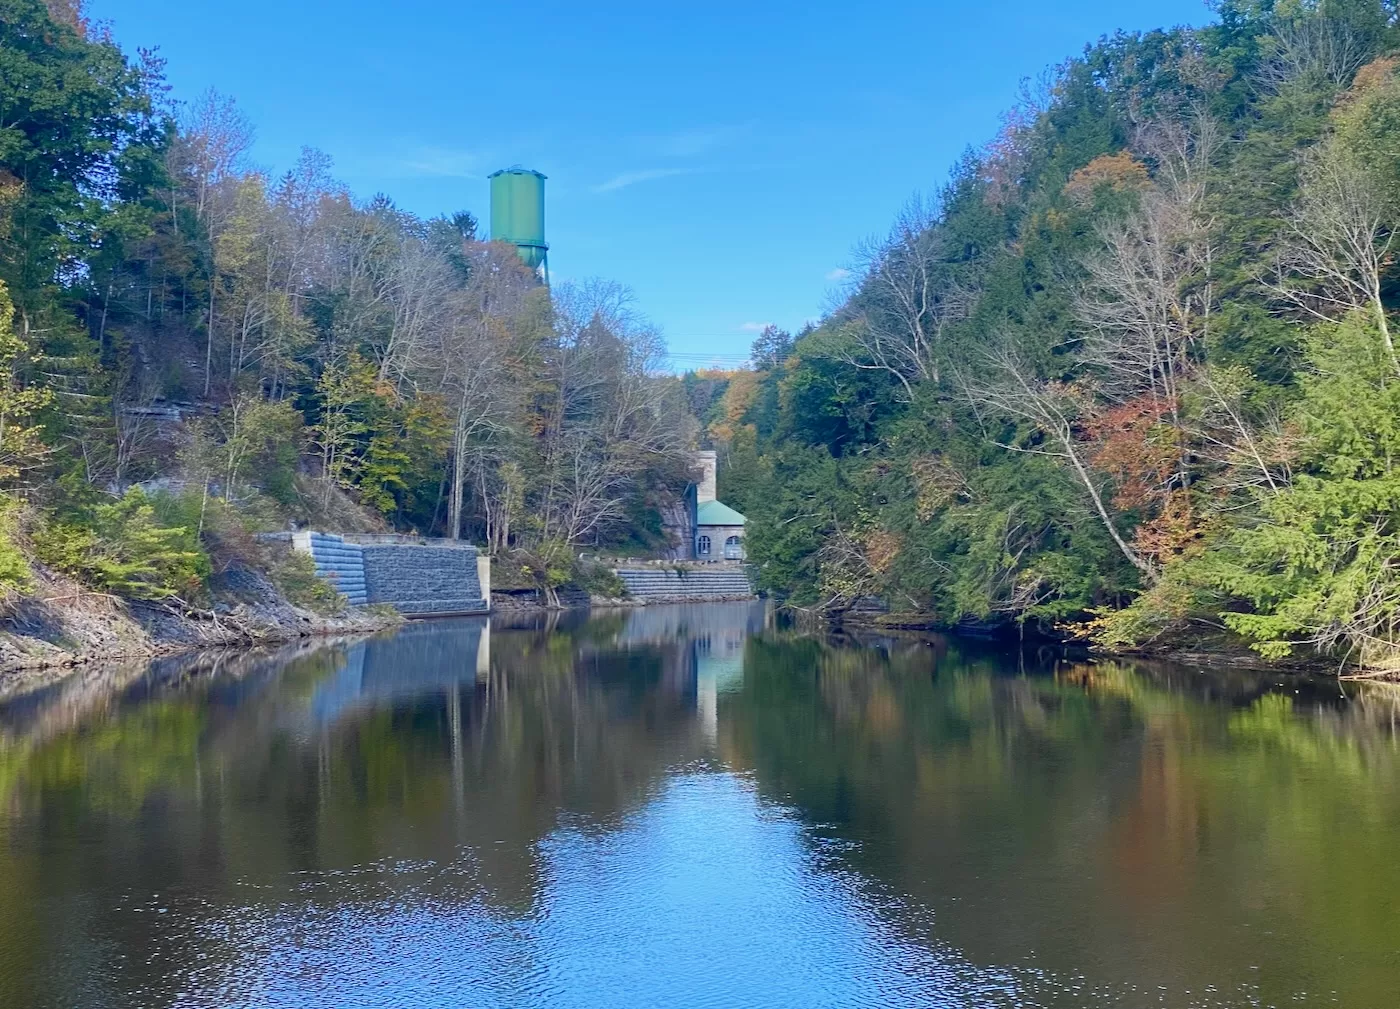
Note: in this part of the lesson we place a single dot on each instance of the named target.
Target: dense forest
(196, 350)
(1131, 373)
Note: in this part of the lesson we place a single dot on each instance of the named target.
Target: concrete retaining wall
(415, 580)
(689, 584)
(424, 580)
(338, 562)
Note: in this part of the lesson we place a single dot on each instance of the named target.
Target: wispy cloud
(436, 162)
(840, 273)
(626, 179)
(755, 327)
(695, 141)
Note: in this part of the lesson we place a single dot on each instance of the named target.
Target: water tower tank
(517, 213)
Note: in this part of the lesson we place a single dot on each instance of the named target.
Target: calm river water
(692, 806)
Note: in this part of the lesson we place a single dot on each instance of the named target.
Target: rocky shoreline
(61, 626)
(1220, 652)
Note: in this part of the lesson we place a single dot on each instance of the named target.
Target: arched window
(702, 546)
(733, 541)
(732, 549)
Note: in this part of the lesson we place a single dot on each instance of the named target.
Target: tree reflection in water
(575, 810)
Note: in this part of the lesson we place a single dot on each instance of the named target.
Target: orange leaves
(1373, 75)
(1141, 451)
(1121, 172)
(1136, 448)
(855, 562)
(70, 13)
(1172, 530)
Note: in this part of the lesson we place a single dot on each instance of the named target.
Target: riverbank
(573, 597)
(61, 625)
(1217, 651)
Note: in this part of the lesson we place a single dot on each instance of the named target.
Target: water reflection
(693, 806)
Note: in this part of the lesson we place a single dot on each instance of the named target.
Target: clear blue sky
(720, 158)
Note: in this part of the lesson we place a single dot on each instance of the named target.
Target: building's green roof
(713, 513)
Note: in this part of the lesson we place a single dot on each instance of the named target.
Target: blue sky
(720, 158)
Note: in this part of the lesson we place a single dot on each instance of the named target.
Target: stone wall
(338, 562)
(707, 463)
(422, 580)
(703, 583)
(427, 579)
(417, 580)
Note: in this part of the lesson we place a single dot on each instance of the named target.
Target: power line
(703, 353)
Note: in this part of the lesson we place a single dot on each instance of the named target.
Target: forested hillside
(1131, 373)
(1132, 370)
(195, 349)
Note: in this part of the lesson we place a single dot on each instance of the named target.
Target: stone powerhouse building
(716, 531)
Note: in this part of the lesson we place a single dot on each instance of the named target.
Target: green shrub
(15, 575)
(295, 577)
(121, 547)
(548, 566)
(598, 579)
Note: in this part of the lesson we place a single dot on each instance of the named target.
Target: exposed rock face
(678, 522)
(62, 625)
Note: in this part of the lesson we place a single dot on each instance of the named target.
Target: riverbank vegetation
(195, 349)
(1131, 372)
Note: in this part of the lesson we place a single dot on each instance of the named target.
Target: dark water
(692, 807)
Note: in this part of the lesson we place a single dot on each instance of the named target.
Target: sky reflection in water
(693, 807)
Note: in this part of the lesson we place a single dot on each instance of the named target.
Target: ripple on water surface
(705, 897)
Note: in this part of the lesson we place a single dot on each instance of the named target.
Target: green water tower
(517, 214)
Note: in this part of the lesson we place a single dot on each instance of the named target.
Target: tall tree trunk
(209, 344)
(459, 476)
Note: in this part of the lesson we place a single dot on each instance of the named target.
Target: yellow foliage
(881, 550)
(737, 399)
(1366, 121)
(937, 484)
(21, 443)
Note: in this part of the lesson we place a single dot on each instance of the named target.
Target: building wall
(678, 520)
(708, 465)
(717, 534)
